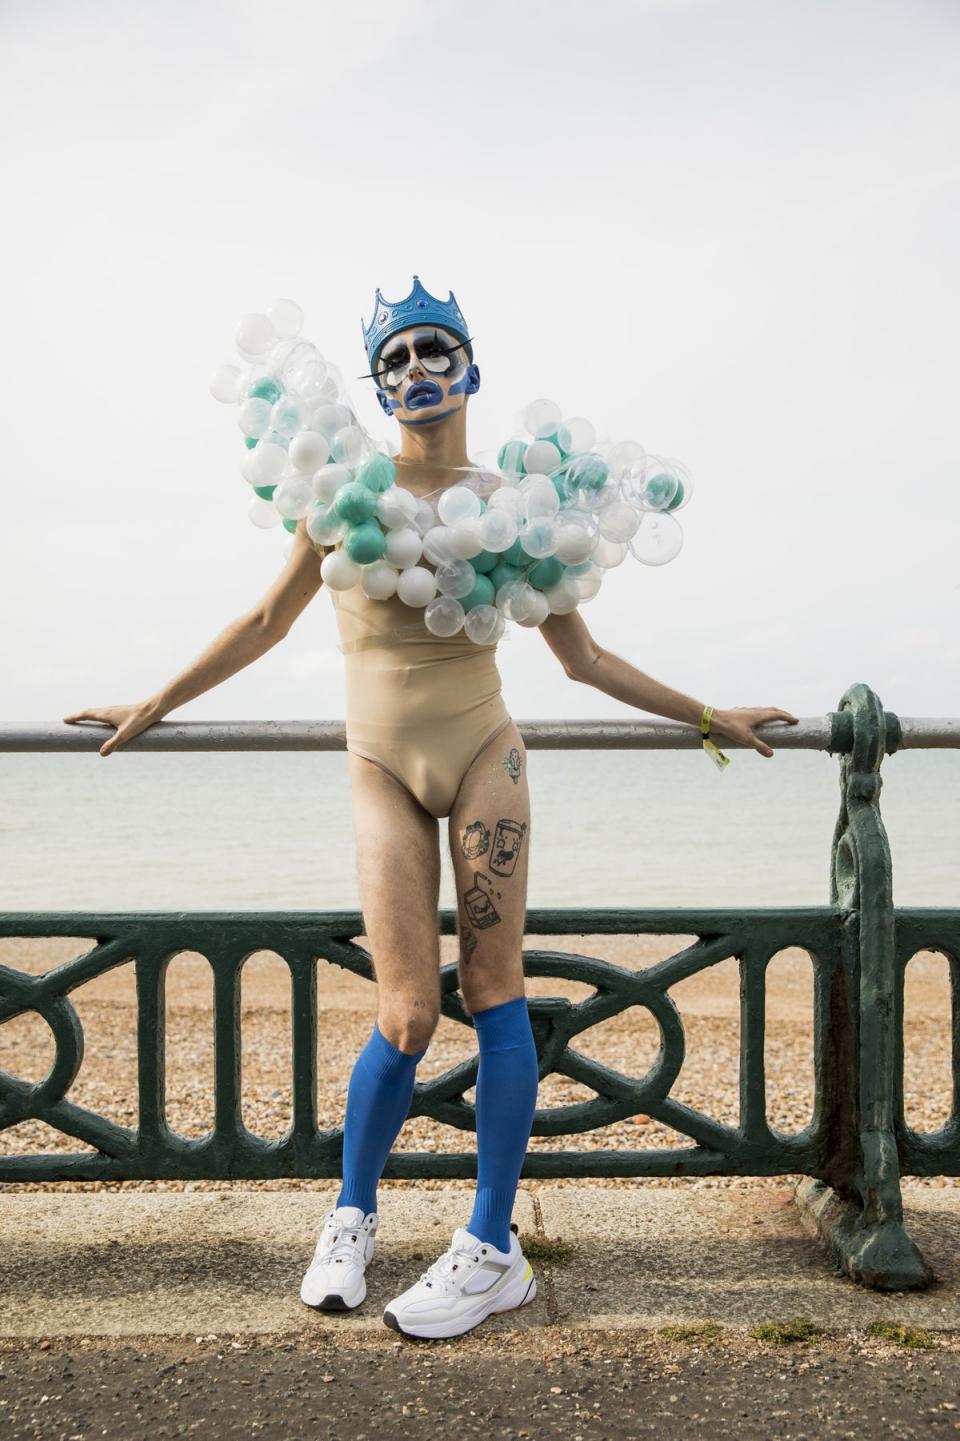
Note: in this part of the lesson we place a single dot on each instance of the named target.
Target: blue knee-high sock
(378, 1099)
(506, 1101)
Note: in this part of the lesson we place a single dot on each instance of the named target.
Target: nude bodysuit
(420, 706)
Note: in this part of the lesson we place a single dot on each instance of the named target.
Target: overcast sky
(725, 228)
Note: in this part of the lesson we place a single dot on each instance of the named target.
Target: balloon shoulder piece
(528, 535)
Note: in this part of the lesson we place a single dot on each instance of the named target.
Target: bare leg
(398, 861)
(489, 845)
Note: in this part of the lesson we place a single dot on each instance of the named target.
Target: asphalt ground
(578, 1386)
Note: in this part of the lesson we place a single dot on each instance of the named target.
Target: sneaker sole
(440, 1330)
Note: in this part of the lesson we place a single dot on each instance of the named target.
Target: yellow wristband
(712, 750)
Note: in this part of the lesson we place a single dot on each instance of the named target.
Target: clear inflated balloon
(484, 624)
(658, 539)
(618, 521)
(540, 498)
(458, 503)
(294, 496)
(270, 461)
(444, 616)
(540, 416)
(286, 318)
(324, 526)
(537, 613)
(348, 445)
(539, 537)
(456, 578)
(329, 479)
(255, 334)
(225, 383)
(499, 530)
(253, 417)
(263, 513)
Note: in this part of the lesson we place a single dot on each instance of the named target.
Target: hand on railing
(737, 724)
(129, 720)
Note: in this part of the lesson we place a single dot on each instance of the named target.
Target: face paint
(438, 353)
(419, 371)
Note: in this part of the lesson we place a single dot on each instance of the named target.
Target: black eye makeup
(436, 354)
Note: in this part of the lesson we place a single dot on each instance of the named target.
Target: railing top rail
(821, 733)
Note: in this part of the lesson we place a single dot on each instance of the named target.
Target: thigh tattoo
(478, 902)
(512, 764)
(507, 840)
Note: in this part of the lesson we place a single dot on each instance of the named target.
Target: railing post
(856, 1205)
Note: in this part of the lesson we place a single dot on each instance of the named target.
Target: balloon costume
(529, 535)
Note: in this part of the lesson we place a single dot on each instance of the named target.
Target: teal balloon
(250, 442)
(265, 492)
(678, 498)
(377, 473)
(355, 503)
(546, 572)
(658, 488)
(580, 569)
(504, 572)
(514, 554)
(365, 543)
(483, 593)
(288, 524)
(485, 561)
(587, 472)
(265, 389)
(511, 455)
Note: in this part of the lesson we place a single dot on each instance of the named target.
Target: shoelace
(342, 1245)
(441, 1272)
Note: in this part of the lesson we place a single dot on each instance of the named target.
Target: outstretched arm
(584, 660)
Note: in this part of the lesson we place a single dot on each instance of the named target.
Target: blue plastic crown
(418, 308)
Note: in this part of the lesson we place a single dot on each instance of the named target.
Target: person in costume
(429, 737)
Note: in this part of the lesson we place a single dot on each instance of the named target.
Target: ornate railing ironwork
(851, 1155)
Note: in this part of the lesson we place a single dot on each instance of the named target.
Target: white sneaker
(470, 1282)
(334, 1280)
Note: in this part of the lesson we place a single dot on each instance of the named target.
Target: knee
(409, 1024)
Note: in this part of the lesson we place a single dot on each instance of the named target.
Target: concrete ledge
(115, 1264)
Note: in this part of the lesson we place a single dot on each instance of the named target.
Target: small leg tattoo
(474, 840)
(507, 840)
(479, 904)
(468, 944)
(512, 764)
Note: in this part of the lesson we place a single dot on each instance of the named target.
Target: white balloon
(263, 513)
(436, 545)
(619, 521)
(574, 543)
(456, 578)
(253, 417)
(294, 496)
(287, 318)
(458, 502)
(404, 547)
(255, 334)
(225, 383)
(499, 530)
(379, 580)
(541, 416)
(484, 624)
(538, 612)
(270, 461)
(339, 572)
(329, 479)
(444, 616)
(309, 450)
(416, 585)
(539, 537)
(466, 539)
(542, 457)
(248, 467)
(396, 507)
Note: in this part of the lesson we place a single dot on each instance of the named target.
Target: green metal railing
(851, 1154)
